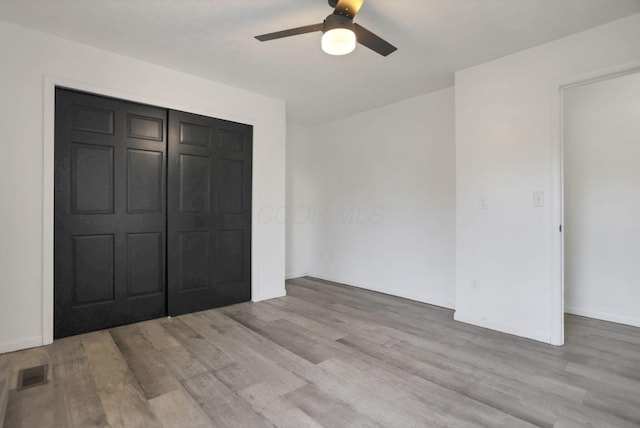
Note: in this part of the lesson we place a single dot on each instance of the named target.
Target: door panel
(110, 215)
(91, 179)
(144, 263)
(209, 213)
(92, 118)
(194, 258)
(230, 174)
(145, 181)
(195, 181)
(229, 256)
(93, 270)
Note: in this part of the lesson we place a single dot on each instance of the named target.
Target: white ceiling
(214, 39)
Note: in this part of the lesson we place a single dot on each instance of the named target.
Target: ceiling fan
(339, 33)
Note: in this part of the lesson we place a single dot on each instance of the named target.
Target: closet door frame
(48, 173)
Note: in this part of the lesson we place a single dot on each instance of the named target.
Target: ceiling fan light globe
(338, 41)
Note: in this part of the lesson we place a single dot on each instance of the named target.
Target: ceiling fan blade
(373, 42)
(290, 32)
(348, 8)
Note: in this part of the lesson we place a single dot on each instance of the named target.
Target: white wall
(505, 115)
(27, 58)
(602, 199)
(300, 205)
(383, 205)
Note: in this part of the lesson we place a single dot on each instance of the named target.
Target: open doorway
(601, 187)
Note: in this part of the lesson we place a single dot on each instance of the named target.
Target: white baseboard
(422, 299)
(502, 328)
(18, 345)
(268, 296)
(604, 316)
(295, 275)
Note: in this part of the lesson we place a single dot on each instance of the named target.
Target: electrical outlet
(482, 204)
(473, 285)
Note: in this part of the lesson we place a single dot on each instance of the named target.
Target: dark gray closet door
(110, 216)
(209, 213)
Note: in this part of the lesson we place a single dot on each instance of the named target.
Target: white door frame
(557, 187)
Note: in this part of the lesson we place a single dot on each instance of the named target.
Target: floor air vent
(33, 376)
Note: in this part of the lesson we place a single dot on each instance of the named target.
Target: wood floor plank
(276, 314)
(6, 375)
(158, 336)
(178, 408)
(604, 377)
(326, 409)
(196, 344)
(423, 414)
(222, 406)
(78, 402)
(285, 414)
(285, 335)
(621, 407)
(147, 365)
(248, 368)
(329, 355)
(34, 408)
(262, 381)
(122, 398)
(177, 359)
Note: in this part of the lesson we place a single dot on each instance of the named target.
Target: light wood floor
(330, 355)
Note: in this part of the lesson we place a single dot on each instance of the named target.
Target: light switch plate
(538, 199)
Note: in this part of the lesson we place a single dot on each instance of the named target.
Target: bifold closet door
(152, 213)
(209, 213)
(110, 213)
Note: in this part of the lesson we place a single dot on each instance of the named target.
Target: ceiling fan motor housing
(334, 21)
